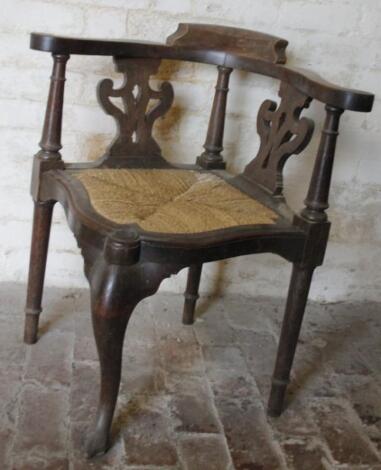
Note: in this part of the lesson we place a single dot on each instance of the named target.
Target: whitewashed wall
(338, 38)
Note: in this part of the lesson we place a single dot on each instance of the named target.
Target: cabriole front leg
(109, 329)
(292, 322)
(39, 249)
(115, 292)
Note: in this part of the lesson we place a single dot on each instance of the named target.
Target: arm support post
(212, 158)
(317, 197)
(51, 135)
(49, 156)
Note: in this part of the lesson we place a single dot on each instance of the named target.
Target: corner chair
(139, 219)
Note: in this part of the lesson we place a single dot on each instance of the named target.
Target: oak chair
(139, 219)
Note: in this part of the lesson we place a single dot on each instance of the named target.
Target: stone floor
(192, 397)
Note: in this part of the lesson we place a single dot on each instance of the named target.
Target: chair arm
(308, 82)
(329, 93)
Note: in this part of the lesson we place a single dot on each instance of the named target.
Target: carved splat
(139, 108)
(282, 134)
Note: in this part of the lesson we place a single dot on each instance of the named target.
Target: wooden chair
(139, 219)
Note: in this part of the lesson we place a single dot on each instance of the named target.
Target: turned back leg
(191, 293)
(40, 240)
(292, 322)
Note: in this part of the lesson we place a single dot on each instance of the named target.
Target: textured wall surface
(340, 39)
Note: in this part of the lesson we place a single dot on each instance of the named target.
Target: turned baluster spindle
(212, 158)
(51, 135)
(317, 196)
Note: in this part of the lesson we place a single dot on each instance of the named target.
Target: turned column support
(49, 156)
(51, 135)
(211, 158)
(318, 192)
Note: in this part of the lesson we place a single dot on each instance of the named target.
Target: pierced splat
(282, 134)
(135, 106)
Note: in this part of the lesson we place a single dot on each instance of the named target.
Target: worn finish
(125, 263)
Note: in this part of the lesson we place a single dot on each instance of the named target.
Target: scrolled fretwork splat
(138, 112)
(282, 133)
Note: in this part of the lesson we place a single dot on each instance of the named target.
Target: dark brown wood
(292, 322)
(115, 291)
(282, 134)
(191, 293)
(38, 254)
(51, 135)
(125, 263)
(212, 158)
(305, 81)
(237, 40)
(49, 156)
(317, 197)
(135, 118)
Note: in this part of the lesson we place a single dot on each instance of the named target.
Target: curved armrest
(308, 82)
(187, 38)
(218, 45)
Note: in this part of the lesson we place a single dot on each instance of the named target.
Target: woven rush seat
(171, 201)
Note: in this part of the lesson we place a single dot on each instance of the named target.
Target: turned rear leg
(191, 293)
(39, 249)
(295, 307)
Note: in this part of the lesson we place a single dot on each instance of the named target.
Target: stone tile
(82, 324)
(183, 384)
(49, 361)
(186, 391)
(146, 433)
(232, 383)
(343, 434)
(58, 310)
(140, 329)
(364, 395)
(259, 350)
(204, 452)
(166, 315)
(248, 434)
(181, 357)
(12, 348)
(43, 421)
(218, 332)
(250, 313)
(194, 413)
(12, 299)
(140, 367)
(10, 386)
(84, 392)
(6, 441)
(299, 452)
(295, 422)
(220, 357)
(85, 348)
(40, 463)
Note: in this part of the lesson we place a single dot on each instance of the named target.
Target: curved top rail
(240, 41)
(307, 82)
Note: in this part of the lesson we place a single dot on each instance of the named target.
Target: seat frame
(124, 263)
